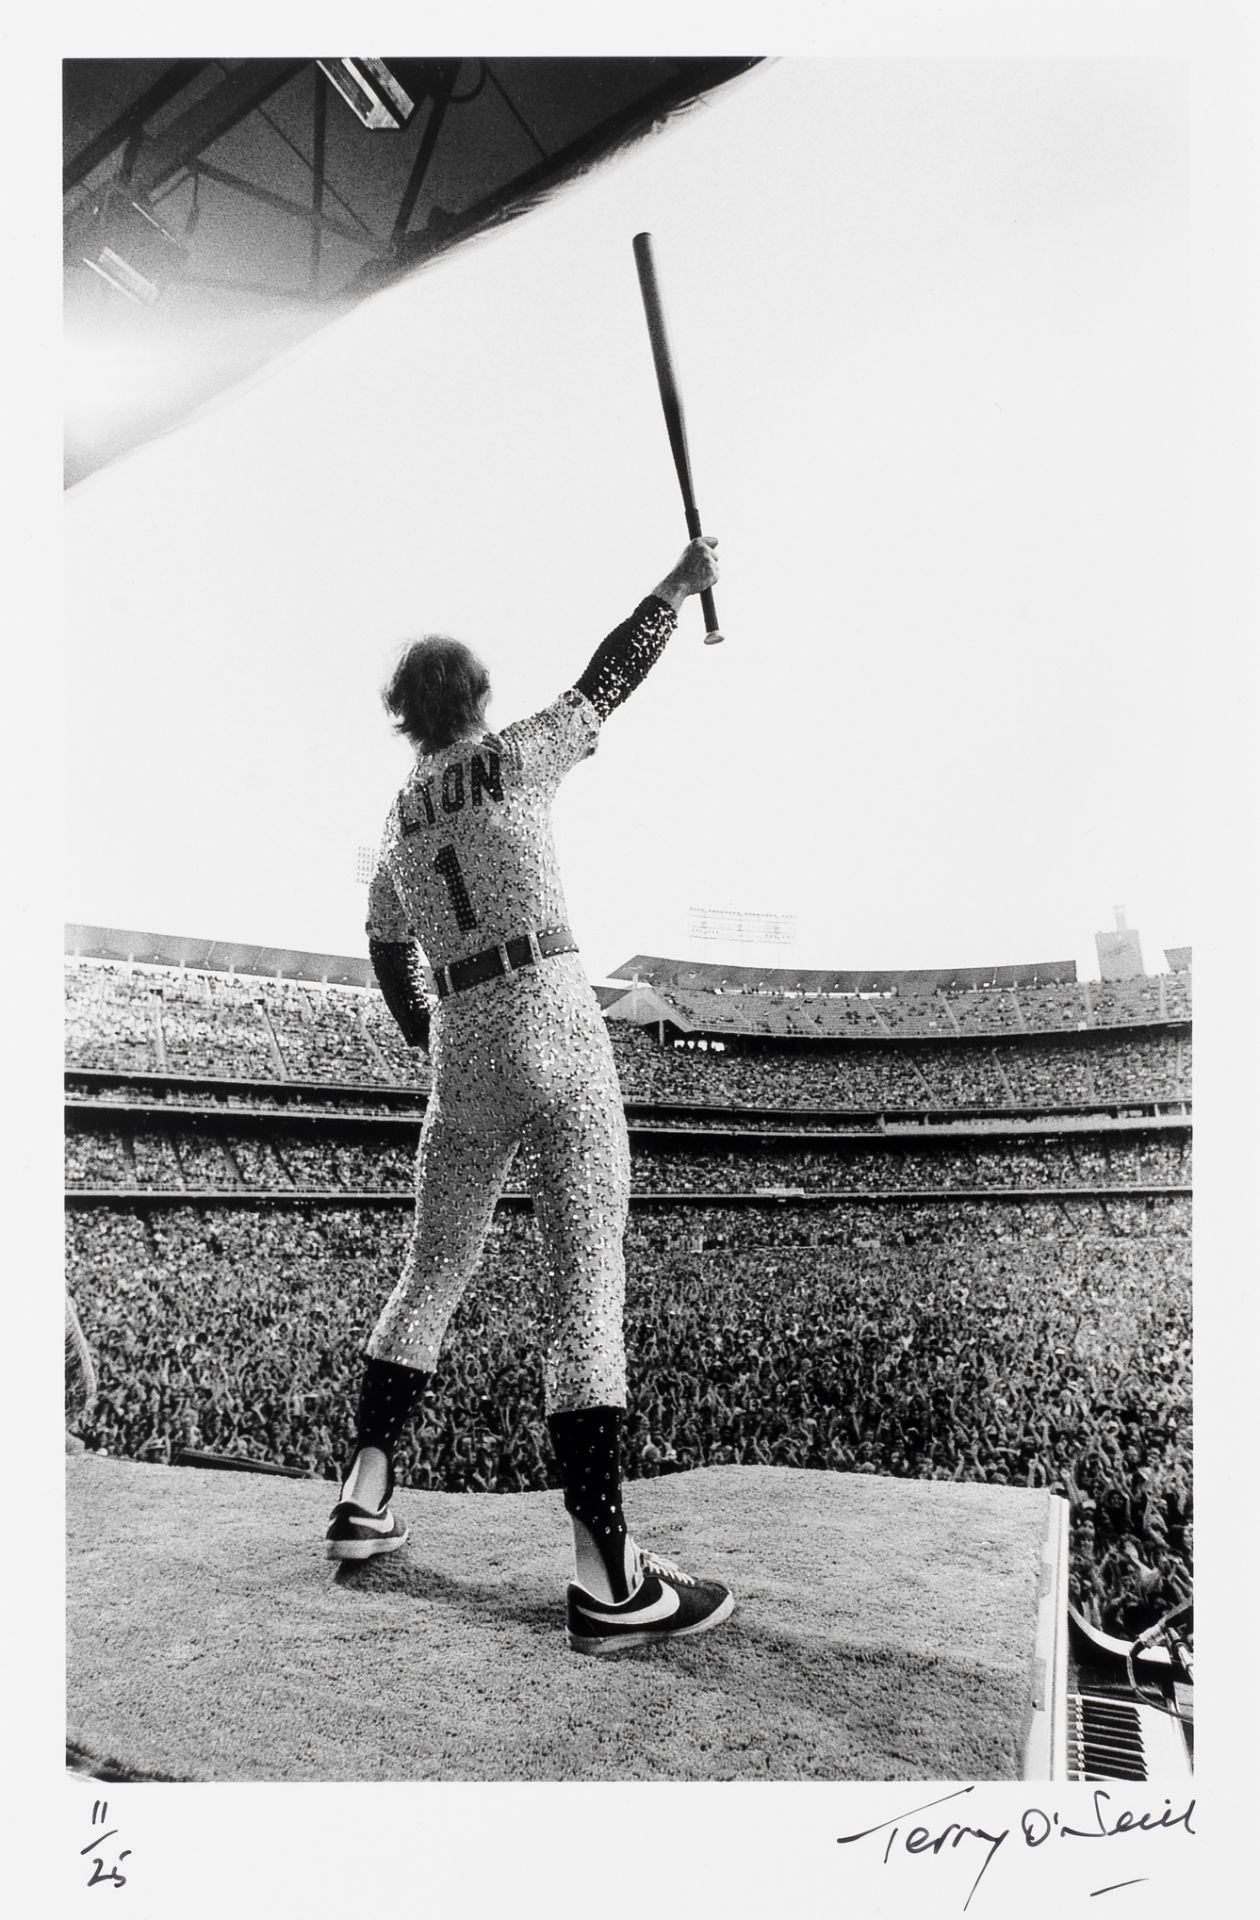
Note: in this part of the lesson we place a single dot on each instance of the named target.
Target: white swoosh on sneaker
(381, 1523)
(661, 1609)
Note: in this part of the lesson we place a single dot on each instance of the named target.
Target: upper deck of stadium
(699, 999)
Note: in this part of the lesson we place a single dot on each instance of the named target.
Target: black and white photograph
(630, 821)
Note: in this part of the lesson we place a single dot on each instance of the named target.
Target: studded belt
(524, 950)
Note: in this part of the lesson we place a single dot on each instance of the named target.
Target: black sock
(588, 1450)
(388, 1397)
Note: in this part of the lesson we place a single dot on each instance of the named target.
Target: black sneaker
(667, 1604)
(356, 1533)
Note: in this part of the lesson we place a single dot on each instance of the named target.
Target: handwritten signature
(1035, 1827)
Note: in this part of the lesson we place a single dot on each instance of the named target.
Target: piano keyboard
(1102, 1708)
(1112, 1736)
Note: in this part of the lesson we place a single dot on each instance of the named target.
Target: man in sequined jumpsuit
(522, 1063)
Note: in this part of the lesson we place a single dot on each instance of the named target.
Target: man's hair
(437, 692)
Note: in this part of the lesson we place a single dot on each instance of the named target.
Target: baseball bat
(671, 401)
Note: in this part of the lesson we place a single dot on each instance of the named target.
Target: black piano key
(1115, 1770)
(1106, 1746)
(1119, 1710)
(1109, 1757)
(1115, 1737)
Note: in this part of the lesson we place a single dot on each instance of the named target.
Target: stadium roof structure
(710, 976)
(650, 1000)
(217, 956)
(216, 211)
(641, 1004)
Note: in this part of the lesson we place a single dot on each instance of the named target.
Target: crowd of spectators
(988, 1010)
(213, 1024)
(177, 1021)
(1012, 1340)
(911, 1011)
(893, 1168)
(250, 1097)
(112, 1018)
(321, 1032)
(153, 1158)
(896, 1078)
(141, 1019)
(1023, 1343)
(1145, 997)
(164, 1154)
(99, 1160)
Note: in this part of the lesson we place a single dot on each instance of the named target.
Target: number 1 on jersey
(447, 864)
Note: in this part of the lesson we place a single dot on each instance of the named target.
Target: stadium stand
(995, 1001)
(973, 1340)
(1001, 1292)
(1045, 1073)
(167, 1154)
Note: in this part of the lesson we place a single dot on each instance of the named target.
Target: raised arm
(621, 661)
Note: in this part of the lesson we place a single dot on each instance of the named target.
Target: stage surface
(884, 1630)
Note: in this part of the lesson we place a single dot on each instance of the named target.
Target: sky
(931, 322)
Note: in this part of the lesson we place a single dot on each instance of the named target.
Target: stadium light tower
(742, 926)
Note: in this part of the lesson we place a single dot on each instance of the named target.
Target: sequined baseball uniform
(522, 1062)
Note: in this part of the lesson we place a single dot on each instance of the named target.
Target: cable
(1145, 1639)
(462, 99)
